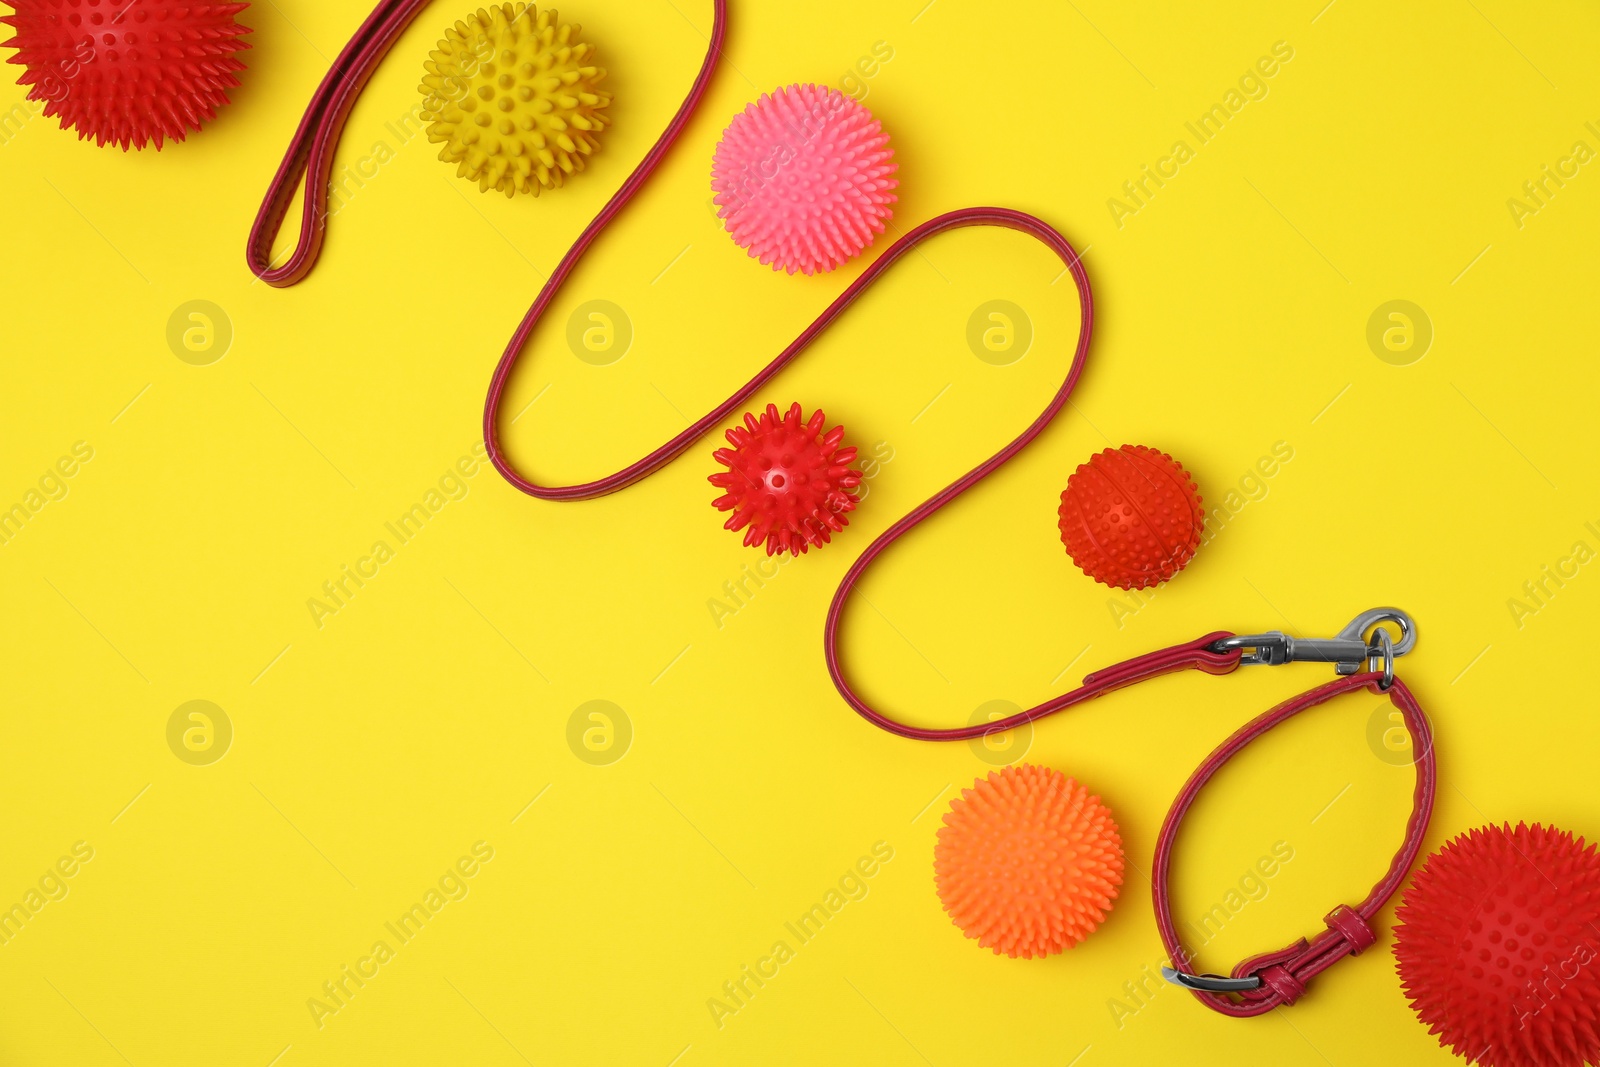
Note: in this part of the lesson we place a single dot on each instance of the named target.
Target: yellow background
(372, 752)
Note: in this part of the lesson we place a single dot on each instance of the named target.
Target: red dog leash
(1256, 985)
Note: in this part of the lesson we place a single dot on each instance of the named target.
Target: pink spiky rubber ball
(1498, 946)
(1027, 862)
(128, 72)
(1131, 517)
(804, 178)
(788, 484)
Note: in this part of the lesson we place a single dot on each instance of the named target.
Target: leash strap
(1260, 983)
(1193, 655)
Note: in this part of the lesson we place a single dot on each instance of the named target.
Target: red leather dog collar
(1275, 979)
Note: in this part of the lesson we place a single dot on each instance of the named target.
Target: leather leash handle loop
(1284, 974)
(311, 150)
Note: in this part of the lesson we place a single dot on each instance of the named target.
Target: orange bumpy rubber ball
(1131, 517)
(1027, 862)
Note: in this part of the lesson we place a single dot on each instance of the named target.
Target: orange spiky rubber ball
(511, 93)
(1498, 947)
(1027, 862)
(128, 72)
(1131, 517)
(788, 484)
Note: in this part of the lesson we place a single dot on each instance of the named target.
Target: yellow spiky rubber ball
(1027, 862)
(511, 94)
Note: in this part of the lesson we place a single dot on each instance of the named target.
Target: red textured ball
(788, 484)
(1131, 517)
(1499, 947)
(128, 72)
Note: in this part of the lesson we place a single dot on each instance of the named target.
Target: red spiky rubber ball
(1498, 946)
(1027, 862)
(788, 484)
(128, 72)
(804, 178)
(1131, 517)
